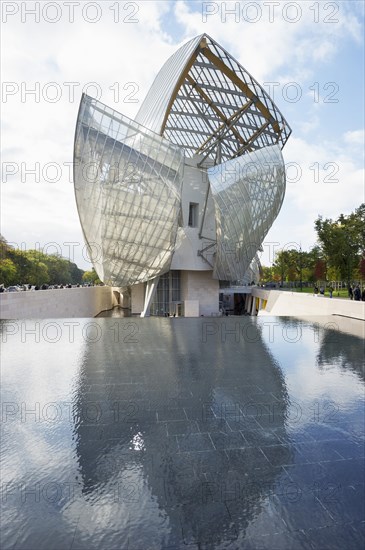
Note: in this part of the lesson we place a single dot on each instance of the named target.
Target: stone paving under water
(182, 433)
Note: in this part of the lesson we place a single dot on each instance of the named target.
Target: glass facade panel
(248, 192)
(168, 294)
(128, 191)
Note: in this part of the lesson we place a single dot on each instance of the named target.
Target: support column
(249, 303)
(151, 287)
(253, 306)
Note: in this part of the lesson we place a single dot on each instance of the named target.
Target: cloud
(355, 137)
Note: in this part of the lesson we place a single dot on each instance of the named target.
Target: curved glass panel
(152, 111)
(253, 272)
(128, 193)
(205, 101)
(248, 192)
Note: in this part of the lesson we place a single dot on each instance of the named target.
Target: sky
(308, 55)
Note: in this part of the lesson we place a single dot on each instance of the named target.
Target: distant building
(177, 203)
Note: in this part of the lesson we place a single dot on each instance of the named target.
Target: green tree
(91, 277)
(342, 241)
(8, 272)
(35, 267)
(75, 273)
(266, 274)
(281, 265)
(58, 269)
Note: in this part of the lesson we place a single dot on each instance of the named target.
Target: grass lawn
(342, 293)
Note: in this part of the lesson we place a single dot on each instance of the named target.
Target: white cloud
(355, 137)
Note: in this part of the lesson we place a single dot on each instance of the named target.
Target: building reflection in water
(173, 426)
(177, 433)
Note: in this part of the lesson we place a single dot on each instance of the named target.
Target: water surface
(181, 433)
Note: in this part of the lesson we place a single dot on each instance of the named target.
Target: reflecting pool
(181, 433)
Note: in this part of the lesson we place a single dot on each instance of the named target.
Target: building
(176, 203)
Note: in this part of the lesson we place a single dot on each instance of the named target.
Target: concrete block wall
(56, 304)
(137, 298)
(191, 308)
(199, 285)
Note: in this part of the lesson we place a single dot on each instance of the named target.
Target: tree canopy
(342, 241)
(35, 268)
(339, 254)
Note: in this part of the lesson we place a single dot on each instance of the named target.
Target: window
(193, 214)
(167, 294)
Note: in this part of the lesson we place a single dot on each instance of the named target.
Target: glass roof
(205, 101)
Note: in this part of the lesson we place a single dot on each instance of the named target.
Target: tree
(281, 265)
(342, 240)
(320, 270)
(75, 273)
(91, 277)
(292, 265)
(35, 267)
(362, 267)
(266, 274)
(8, 272)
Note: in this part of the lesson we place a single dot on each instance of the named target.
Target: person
(321, 290)
(363, 295)
(357, 293)
(351, 293)
(330, 290)
(316, 290)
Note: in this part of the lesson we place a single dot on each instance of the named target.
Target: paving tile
(285, 540)
(337, 537)
(182, 427)
(207, 524)
(344, 503)
(209, 464)
(214, 425)
(319, 451)
(309, 476)
(280, 455)
(230, 440)
(247, 459)
(302, 511)
(346, 472)
(170, 414)
(260, 514)
(260, 436)
(194, 442)
(242, 423)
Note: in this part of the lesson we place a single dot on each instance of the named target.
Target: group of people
(321, 290)
(356, 294)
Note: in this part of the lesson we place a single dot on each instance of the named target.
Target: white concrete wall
(194, 190)
(191, 308)
(60, 303)
(199, 285)
(137, 298)
(298, 304)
